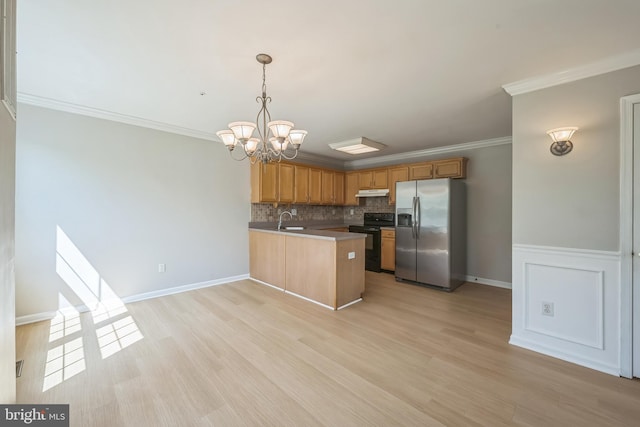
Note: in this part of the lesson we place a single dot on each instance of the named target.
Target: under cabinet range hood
(373, 193)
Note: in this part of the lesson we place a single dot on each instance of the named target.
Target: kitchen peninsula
(322, 266)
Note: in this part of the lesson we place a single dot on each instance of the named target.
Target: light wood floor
(246, 354)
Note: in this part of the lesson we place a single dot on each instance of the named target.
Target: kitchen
(287, 184)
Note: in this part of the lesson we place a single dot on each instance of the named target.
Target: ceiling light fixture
(561, 144)
(357, 146)
(276, 139)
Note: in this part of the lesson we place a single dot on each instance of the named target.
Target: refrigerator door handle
(413, 219)
(418, 222)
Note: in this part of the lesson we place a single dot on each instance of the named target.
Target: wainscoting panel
(566, 304)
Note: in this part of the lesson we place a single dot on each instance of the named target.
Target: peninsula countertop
(314, 233)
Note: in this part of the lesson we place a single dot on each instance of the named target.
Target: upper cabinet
(301, 184)
(286, 181)
(375, 178)
(351, 187)
(422, 170)
(396, 174)
(315, 186)
(450, 168)
(293, 183)
(264, 182)
(272, 182)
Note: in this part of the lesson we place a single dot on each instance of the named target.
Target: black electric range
(373, 242)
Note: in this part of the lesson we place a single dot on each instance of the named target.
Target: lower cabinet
(388, 252)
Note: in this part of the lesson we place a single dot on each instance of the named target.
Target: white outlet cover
(351, 255)
(547, 309)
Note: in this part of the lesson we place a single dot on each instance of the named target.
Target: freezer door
(405, 241)
(433, 249)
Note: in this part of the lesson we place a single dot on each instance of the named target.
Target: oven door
(372, 246)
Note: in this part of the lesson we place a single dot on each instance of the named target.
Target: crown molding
(68, 107)
(413, 155)
(607, 65)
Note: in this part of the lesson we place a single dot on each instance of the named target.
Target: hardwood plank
(247, 354)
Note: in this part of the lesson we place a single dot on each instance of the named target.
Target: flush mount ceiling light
(357, 146)
(561, 144)
(276, 139)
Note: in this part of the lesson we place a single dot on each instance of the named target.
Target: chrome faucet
(280, 219)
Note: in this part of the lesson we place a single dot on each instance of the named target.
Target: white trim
(349, 303)
(267, 284)
(68, 107)
(626, 233)
(607, 65)
(598, 343)
(10, 108)
(595, 343)
(308, 299)
(33, 318)
(412, 155)
(487, 282)
(566, 356)
(48, 315)
(590, 253)
(184, 288)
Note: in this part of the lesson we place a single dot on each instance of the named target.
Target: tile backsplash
(267, 212)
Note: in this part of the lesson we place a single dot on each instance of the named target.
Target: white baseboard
(184, 288)
(48, 315)
(489, 282)
(567, 357)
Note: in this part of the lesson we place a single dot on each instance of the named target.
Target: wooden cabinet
(351, 187)
(286, 181)
(315, 186)
(301, 186)
(422, 170)
(388, 252)
(450, 168)
(338, 188)
(375, 178)
(396, 174)
(264, 182)
(327, 187)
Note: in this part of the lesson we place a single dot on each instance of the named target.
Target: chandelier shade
(276, 139)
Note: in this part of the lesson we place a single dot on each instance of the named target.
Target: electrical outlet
(351, 255)
(351, 211)
(547, 309)
(294, 212)
(162, 268)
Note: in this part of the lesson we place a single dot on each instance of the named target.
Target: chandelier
(276, 139)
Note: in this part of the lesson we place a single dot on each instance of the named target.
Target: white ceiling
(412, 74)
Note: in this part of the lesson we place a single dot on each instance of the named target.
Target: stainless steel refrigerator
(431, 232)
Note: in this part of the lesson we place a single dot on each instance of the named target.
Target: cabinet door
(351, 187)
(327, 187)
(380, 178)
(398, 174)
(264, 182)
(450, 168)
(388, 251)
(315, 186)
(421, 171)
(338, 188)
(301, 184)
(285, 182)
(365, 180)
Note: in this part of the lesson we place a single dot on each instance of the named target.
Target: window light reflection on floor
(63, 362)
(117, 335)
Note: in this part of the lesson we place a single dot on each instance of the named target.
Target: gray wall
(489, 212)
(7, 285)
(570, 201)
(128, 198)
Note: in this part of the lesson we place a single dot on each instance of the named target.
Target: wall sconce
(561, 144)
